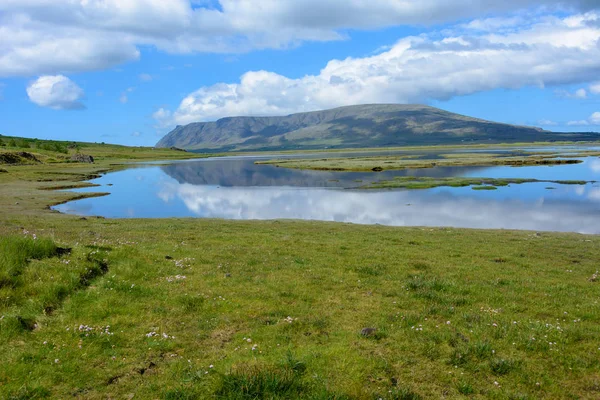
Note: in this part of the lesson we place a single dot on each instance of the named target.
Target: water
(236, 188)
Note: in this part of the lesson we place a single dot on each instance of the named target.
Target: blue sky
(128, 71)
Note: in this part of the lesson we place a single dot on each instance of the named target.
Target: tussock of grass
(15, 253)
(259, 383)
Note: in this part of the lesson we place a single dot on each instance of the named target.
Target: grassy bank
(396, 162)
(186, 308)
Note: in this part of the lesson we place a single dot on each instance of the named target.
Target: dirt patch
(16, 158)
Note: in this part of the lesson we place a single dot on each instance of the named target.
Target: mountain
(371, 125)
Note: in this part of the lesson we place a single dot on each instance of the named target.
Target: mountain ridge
(367, 125)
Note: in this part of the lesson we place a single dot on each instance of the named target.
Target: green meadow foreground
(193, 308)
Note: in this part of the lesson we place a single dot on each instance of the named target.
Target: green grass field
(189, 308)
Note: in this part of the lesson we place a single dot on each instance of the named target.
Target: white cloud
(136, 134)
(578, 94)
(60, 36)
(145, 77)
(57, 92)
(547, 122)
(594, 119)
(495, 24)
(163, 118)
(581, 122)
(595, 88)
(124, 97)
(415, 69)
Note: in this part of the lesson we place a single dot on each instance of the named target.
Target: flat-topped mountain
(371, 125)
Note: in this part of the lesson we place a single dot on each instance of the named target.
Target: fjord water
(236, 188)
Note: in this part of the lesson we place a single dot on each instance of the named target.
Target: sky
(129, 71)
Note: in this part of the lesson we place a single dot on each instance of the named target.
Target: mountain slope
(372, 125)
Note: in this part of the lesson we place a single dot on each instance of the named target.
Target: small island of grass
(413, 182)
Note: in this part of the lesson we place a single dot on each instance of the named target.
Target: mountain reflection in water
(243, 172)
(236, 188)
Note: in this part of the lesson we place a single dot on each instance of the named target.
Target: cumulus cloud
(547, 122)
(594, 119)
(581, 122)
(595, 88)
(415, 69)
(57, 92)
(49, 37)
(163, 118)
(578, 94)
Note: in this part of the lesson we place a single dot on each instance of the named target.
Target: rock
(82, 158)
(366, 332)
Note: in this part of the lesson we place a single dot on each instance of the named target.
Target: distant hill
(371, 125)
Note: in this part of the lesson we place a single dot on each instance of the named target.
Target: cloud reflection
(451, 207)
(595, 166)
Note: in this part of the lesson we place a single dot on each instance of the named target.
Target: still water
(236, 188)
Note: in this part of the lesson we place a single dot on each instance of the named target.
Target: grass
(447, 304)
(484, 187)
(396, 162)
(414, 182)
(51, 151)
(189, 308)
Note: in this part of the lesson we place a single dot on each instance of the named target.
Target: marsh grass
(400, 161)
(415, 183)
